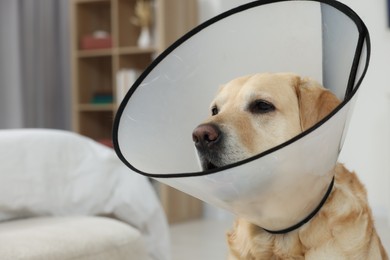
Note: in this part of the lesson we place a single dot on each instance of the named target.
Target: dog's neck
(309, 217)
(344, 225)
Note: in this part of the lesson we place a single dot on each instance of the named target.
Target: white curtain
(11, 114)
(34, 64)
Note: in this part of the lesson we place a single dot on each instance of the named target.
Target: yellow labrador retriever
(254, 113)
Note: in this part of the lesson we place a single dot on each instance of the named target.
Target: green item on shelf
(102, 99)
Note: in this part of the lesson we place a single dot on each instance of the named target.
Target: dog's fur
(254, 113)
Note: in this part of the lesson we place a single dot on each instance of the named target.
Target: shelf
(95, 71)
(138, 61)
(91, 1)
(96, 107)
(95, 76)
(127, 32)
(136, 50)
(120, 51)
(94, 53)
(96, 125)
(91, 17)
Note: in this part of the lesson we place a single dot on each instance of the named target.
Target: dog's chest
(254, 242)
(288, 246)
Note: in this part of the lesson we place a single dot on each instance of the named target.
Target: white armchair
(64, 196)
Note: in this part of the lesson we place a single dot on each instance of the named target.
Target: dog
(254, 113)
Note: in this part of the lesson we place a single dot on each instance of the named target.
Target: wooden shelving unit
(94, 70)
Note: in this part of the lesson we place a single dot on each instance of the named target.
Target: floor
(206, 239)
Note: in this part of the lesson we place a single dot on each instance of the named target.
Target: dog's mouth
(209, 166)
(211, 160)
(207, 163)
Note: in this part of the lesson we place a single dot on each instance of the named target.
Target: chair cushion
(67, 238)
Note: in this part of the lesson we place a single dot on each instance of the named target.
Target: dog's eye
(214, 111)
(261, 107)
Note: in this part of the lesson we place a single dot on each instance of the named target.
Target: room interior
(66, 65)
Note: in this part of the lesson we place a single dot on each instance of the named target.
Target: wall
(366, 149)
(367, 146)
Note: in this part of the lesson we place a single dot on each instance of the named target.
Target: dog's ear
(315, 102)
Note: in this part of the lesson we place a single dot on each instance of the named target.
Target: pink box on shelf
(89, 42)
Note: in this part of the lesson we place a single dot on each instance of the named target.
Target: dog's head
(254, 113)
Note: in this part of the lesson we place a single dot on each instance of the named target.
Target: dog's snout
(206, 135)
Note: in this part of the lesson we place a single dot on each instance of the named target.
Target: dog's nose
(205, 135)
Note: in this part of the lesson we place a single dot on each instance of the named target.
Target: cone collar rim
(351, 89)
